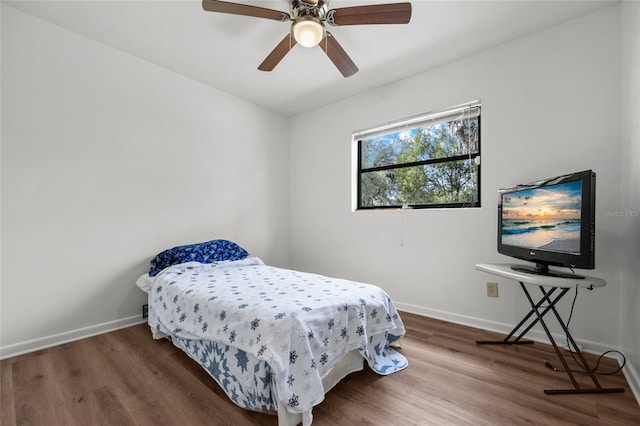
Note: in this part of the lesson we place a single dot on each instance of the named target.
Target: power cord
(573, 304)
(594, 370)
(573, 353)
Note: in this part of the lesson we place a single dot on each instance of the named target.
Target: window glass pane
(448, 182)
(442, 140)
(378, 189)
(428, 160)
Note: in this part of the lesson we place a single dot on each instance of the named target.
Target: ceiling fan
(308, 19)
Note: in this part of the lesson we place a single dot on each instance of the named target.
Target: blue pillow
(207, 252)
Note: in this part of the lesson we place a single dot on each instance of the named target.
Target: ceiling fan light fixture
(308, 31)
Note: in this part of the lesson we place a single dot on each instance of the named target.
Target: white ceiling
(224, 51)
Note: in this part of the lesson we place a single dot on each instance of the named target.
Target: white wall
(551, 105)
(630, 202)
(107, 160)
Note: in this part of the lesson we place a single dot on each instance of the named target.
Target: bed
(275, 340)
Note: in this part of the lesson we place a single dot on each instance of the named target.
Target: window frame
(414, 123)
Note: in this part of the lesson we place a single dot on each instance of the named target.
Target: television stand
(543, 269)
(553, 289)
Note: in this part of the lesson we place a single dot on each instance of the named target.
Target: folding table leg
(577, 389)
(538, 315)
(508, 340)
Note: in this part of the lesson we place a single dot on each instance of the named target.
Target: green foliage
(431, 165)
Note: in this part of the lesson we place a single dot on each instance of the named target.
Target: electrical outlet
(492, 289)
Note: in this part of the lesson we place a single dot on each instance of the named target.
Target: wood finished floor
(127, 378)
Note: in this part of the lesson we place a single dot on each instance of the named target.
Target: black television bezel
(545, 258)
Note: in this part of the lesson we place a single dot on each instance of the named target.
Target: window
(427, 161)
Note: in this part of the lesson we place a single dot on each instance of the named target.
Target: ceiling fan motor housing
(315, 9)
(308, 27)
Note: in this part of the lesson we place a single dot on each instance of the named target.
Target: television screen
(550, 223)
(546, 218)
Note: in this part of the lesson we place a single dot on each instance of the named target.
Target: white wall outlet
(492, 289)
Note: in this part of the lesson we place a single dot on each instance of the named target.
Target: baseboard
(454, 318)
(633, 379)
(21, 348)
(483, 324)
(588, 346)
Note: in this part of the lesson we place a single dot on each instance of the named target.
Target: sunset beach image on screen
(545, 218)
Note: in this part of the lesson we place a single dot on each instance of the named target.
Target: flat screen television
(550, 222)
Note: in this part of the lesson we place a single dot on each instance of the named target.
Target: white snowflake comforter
(298, 325)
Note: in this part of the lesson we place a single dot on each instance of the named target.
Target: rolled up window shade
(459, 112)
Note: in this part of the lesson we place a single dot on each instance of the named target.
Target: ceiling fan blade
(244, 9)
(392, 13)
(338, 56)
(278, 53)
